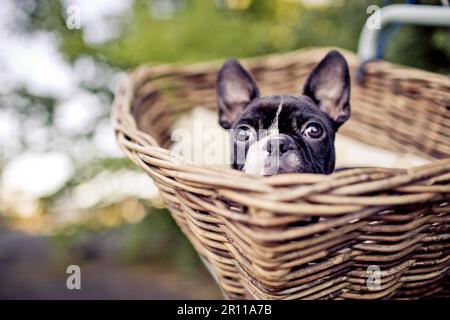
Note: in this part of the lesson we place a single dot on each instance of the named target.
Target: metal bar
(426, 15)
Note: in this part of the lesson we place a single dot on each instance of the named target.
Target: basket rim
(282, 187)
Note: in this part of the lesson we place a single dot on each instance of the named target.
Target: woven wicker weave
(254, 232)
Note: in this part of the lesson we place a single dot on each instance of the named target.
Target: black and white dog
(284, 133)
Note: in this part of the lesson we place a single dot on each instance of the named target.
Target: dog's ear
(235, 89)
(328, 85)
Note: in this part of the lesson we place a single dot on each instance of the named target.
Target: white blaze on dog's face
(259, 160)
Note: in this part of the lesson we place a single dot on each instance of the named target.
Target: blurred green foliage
(200, 31)
(155, 240)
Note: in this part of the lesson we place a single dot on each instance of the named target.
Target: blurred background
(67, 194)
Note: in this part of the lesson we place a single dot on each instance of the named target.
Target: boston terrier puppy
(284, 133)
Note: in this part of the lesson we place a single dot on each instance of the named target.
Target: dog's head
(284, 133)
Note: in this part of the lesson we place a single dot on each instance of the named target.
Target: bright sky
(37, 174)
(97, 28)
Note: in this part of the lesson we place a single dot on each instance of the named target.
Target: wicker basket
(391, 225)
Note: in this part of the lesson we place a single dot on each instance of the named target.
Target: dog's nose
(279, 145)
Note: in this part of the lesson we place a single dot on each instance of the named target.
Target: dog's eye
(243, 133)
(313, 130)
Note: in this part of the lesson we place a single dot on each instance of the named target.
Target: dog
(284, 133)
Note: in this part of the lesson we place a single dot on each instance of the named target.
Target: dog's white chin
(259, 162)
(255, 165)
